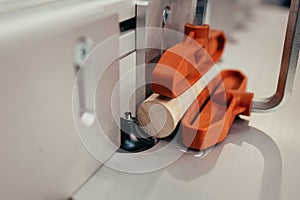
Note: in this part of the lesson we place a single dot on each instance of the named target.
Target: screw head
(166, 15)
(128, 115)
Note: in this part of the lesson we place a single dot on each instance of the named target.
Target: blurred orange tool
(208, 120)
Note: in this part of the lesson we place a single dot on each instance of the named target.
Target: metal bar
(288, 65)
(200, 12)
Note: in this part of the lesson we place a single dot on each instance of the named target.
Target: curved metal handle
(288, 65)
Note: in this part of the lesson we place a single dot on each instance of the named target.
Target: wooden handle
(159, 115)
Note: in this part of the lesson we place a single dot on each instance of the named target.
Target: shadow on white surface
(184, 168)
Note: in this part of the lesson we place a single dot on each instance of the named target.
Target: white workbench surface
(256, 161)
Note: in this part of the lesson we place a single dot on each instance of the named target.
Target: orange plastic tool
(210, 117)
(185, 63)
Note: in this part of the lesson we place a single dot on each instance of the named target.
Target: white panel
(40, 152)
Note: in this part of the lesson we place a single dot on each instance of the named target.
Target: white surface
(127, 42)
(40, 152)
(259, 161)
(41, 21)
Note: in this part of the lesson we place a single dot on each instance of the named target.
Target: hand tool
(210, 117)
(186, 61)
(176, 79)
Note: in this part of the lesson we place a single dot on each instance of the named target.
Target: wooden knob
(159, 115)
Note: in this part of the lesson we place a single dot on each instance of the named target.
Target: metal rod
(288, 65)
(200, 12)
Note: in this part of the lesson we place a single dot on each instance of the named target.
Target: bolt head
(166, 14)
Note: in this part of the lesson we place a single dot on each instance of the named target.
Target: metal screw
(128, 115)
(166, 15)
(81, 49)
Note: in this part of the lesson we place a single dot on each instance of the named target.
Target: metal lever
(288, 65)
